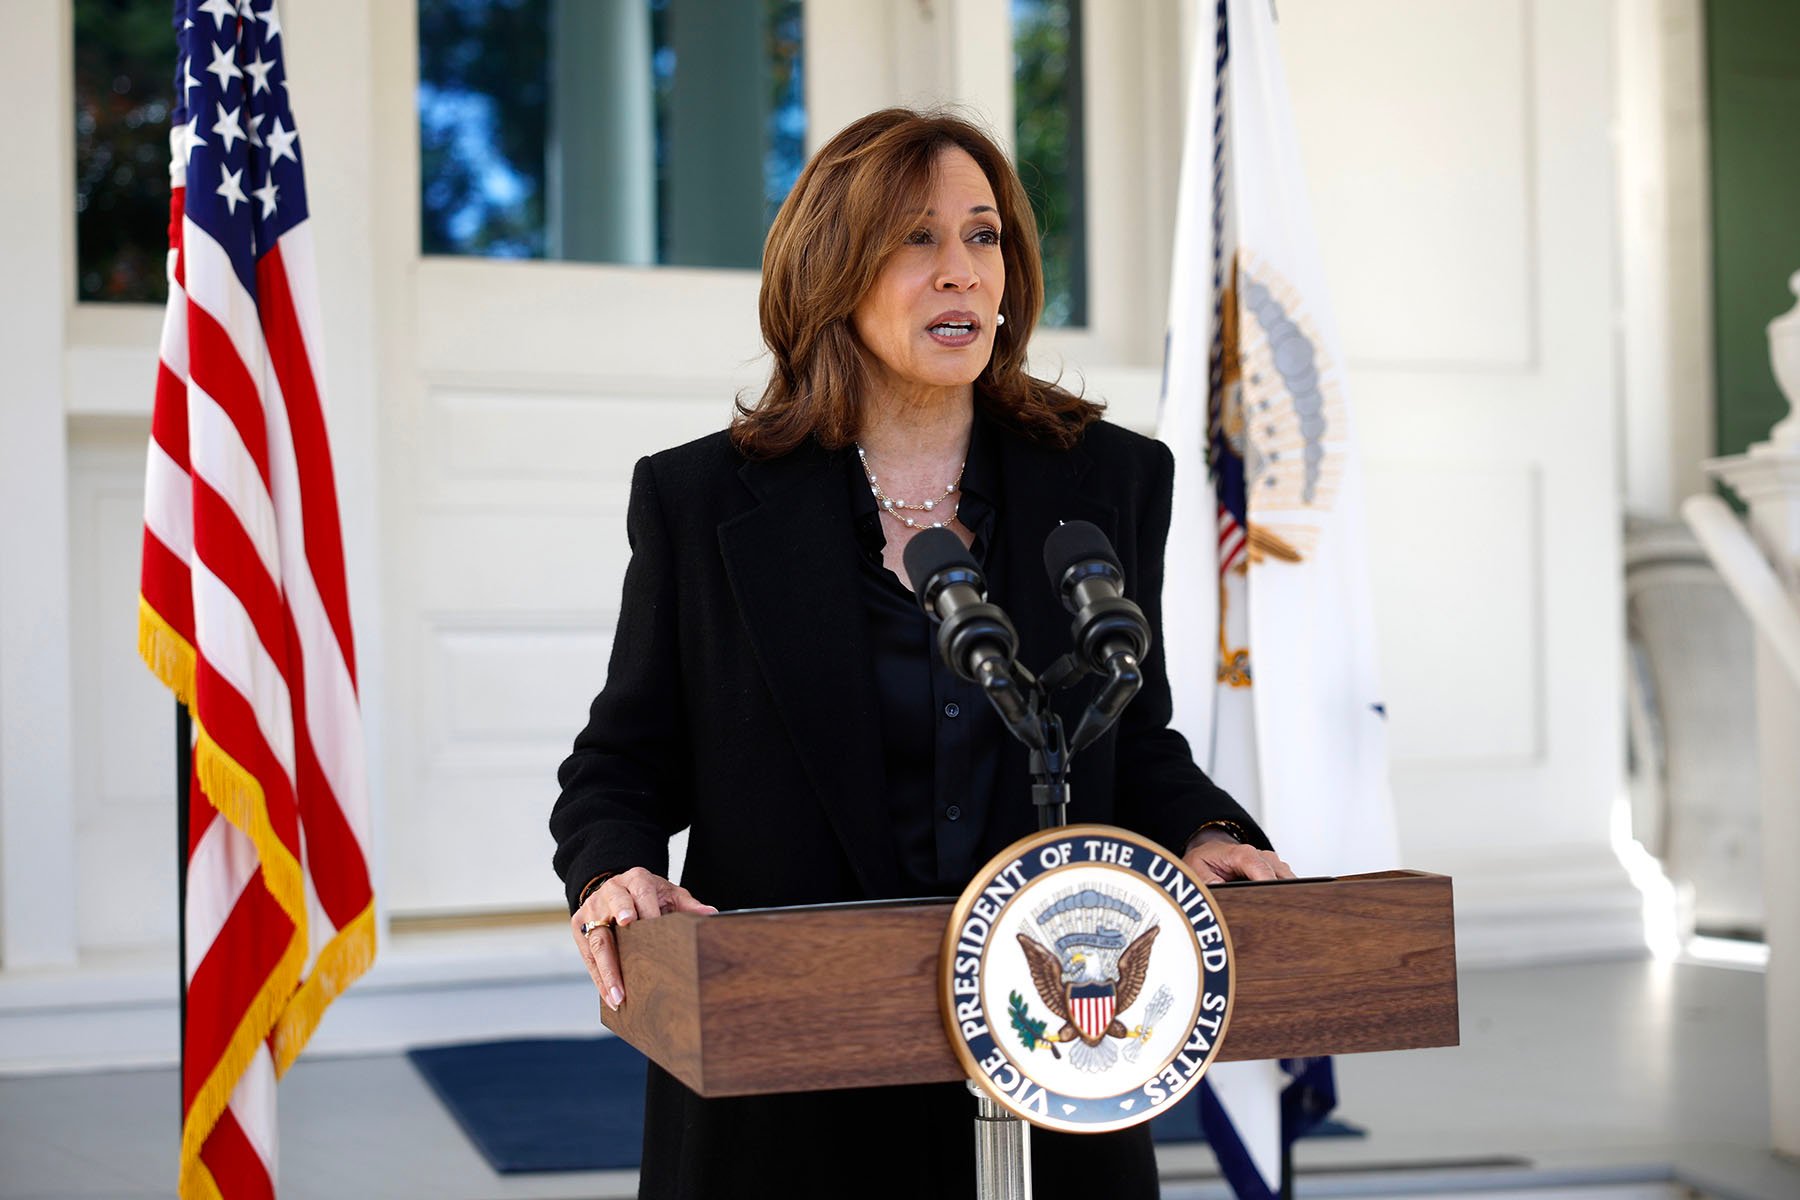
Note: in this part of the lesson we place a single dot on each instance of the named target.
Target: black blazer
(740, 703)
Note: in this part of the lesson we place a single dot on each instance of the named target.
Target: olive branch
(1030, 1030)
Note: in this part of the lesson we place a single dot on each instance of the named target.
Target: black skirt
(913, 1141)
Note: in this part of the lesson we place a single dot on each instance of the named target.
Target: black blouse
(941, 739)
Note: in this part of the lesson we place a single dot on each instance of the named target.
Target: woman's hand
(634, 895)
(1216, 856)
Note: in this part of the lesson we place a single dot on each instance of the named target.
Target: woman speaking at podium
(776, 690)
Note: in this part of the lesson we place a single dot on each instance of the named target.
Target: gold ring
(588, 927)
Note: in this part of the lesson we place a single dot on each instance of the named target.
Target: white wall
(521, 394)
(37, 849)
(1460, 160)
(487, 413)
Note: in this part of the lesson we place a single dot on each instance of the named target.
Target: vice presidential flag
(243, 609)
(1268, 628)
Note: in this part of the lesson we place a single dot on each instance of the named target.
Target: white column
(1665, 281)
(1777, 717)
(1767, 478)
(715, 152)
(862, 55)
(600, 197)
(977, 42)
(37, 810)
(857, 75)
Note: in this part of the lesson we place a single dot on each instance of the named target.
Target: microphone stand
(1023, 702)
(967, 620)
(1042, 727)
(1002, 1140)
(1050, 774)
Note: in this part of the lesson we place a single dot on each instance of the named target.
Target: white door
(1461, 167)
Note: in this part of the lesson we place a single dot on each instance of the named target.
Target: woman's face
(929, 318)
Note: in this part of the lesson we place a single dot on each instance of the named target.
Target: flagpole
(184, 773)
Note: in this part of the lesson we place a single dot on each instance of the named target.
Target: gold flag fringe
(239, 798)
(342, 960)
(253, 1030)
(201, 1185)
(168, 655)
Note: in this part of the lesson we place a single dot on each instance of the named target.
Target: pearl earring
(1000, 319)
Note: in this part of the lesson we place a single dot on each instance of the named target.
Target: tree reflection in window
(483, 91)
(681, 156)
(124, 85)
(1047, 106)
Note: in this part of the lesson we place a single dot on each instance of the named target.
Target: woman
(775, 688)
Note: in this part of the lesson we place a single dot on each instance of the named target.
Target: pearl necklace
(893, 506)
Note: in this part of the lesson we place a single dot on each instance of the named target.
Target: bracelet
(588, 888)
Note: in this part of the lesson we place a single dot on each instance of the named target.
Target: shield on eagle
(1091, 1008)
(1091, 965)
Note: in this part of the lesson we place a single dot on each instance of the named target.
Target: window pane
(1047, 101)
(626, 131)
(124, 84)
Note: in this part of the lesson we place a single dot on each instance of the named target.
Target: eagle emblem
(1091, 970)
(1085, 979)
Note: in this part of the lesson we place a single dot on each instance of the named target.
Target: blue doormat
(577, 1104)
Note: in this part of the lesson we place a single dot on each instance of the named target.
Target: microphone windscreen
(1076, 542)
(930, 552)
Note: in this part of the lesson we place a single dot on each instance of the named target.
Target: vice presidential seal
(1085, 979)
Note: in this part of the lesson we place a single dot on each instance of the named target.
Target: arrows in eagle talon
(1159, 1004)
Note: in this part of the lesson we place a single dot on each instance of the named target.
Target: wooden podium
(834, 996)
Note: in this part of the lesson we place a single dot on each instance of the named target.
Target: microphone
(1111, 634)
(1087, 576)
(977, 640)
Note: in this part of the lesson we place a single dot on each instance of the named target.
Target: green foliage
(1030, 1031)
(1047, 104)
(484, 71)
(124, 88)
(487, 115)
(1751, 109)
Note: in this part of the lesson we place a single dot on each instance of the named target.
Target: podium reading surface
(837, 996)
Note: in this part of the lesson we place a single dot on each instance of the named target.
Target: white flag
(1267, 623)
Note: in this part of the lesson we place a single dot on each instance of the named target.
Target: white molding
(423, 989)
(1518, 908)
(1665, 282)
(1132, 101)
(1762, 565)
(858, 77)
(37, 825)
(978, 44)
(1491, 79)
(1752, 579)
(111, 381)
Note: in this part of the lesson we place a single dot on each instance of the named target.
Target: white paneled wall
(37, 852)
(1457, 583)
(488, 414)
(519, 548)
(124, 720)
(1422, 170)
(1459, 156)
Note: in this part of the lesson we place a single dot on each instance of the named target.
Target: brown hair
(848, 211)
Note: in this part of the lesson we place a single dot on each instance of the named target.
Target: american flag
(244, 611)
